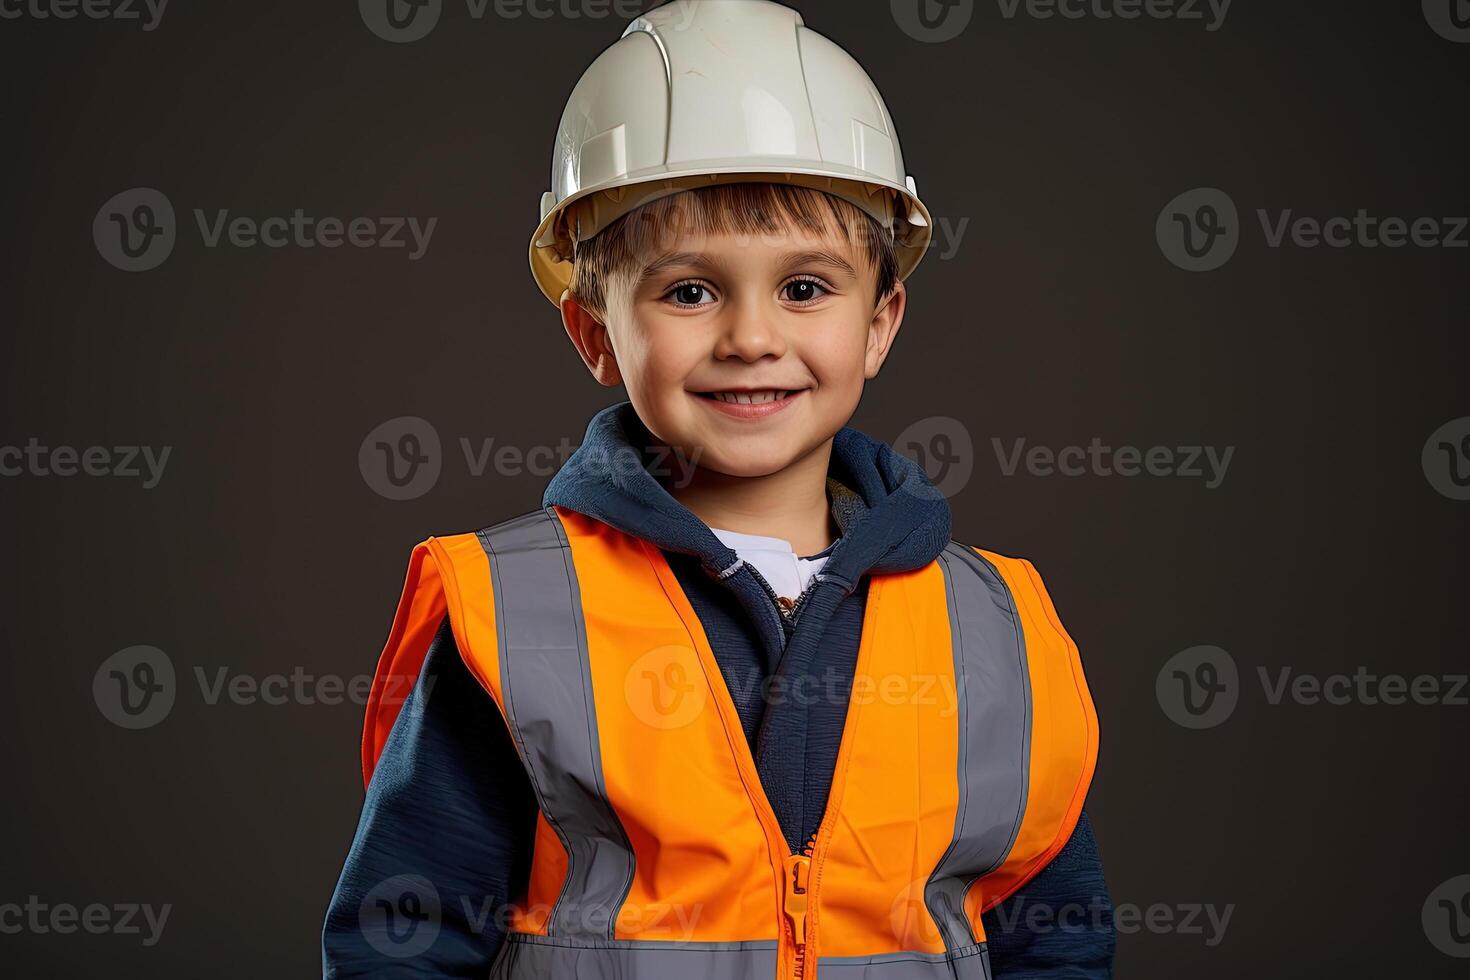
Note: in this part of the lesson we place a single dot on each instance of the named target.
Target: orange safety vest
(969, 744)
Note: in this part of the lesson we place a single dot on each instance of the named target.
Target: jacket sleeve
(444, 840)
(1060, 923)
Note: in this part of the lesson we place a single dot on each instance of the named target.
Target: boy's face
(789, 313)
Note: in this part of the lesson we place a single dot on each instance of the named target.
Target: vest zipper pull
(797, 867)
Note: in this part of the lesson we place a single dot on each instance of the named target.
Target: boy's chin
(745, 459)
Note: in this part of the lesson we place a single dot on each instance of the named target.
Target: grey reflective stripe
(968, 963)
(546, 684)
(528, 957)
(993, 690)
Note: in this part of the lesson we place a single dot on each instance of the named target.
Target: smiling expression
(745, 352)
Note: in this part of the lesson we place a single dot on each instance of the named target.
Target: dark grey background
(263, 548)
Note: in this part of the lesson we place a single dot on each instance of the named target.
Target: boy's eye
(805, 290)
(800, 291)
(687, 293)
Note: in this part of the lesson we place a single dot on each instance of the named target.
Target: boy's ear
(589, 335)
(884, 328)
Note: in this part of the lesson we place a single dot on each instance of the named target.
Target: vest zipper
(798, 882)
(798, 869)
(798, 865)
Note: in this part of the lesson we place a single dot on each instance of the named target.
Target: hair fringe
(746, 209)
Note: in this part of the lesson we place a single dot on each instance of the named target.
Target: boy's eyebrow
(817, 256)
(674, 258)
(820, 256)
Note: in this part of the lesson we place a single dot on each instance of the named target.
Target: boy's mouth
(749, 396)
(750, 402)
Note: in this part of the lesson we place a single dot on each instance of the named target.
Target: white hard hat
(698, 92)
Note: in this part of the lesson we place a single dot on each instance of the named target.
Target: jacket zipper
(786, 607)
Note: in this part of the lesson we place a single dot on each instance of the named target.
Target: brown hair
(745, 208)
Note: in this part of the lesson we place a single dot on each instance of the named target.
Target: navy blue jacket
(449, 801)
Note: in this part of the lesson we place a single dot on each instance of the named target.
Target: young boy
(731, 704)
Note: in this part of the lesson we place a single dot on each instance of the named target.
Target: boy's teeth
(748, 397)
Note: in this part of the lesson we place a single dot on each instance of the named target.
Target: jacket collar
(891, 516)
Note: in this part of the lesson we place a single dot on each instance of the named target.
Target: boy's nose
(749, 334)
